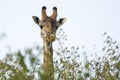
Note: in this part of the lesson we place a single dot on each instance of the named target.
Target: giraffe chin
(51, 39)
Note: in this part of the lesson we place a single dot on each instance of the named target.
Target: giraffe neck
(47, 47)
(48, 66)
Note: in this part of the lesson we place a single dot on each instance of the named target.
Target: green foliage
(70, 63)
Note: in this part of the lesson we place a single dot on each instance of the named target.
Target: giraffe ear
(60, 22)
(36, 19)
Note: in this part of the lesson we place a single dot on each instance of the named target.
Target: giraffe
(48, 26)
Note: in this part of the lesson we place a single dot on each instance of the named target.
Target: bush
(70, 63)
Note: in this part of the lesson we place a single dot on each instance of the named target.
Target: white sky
(86, 21)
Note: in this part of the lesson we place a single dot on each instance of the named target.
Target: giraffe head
(48, 24)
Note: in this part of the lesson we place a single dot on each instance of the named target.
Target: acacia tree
(71, 63)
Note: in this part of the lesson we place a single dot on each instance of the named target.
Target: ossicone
(54, 14)
(43, 13)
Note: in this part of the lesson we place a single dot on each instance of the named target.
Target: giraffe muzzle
(48, 36)
(51, 37)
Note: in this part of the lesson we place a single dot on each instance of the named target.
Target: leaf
(86, 74)
(86, 65)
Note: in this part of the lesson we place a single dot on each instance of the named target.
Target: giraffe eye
(41, 27)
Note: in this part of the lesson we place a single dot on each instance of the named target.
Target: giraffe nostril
(53, 35)
(54, 32)
(43, 34)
